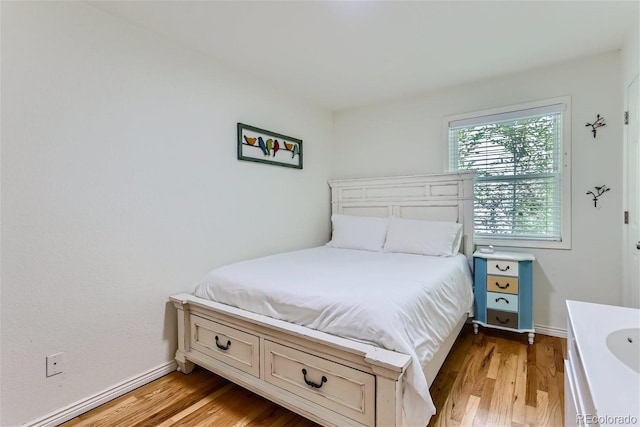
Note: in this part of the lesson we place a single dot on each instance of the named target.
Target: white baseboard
(81, 406)
(551, 331)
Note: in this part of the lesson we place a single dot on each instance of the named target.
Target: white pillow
(412, 236)
(358, 232)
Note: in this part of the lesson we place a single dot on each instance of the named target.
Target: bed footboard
(330, 380)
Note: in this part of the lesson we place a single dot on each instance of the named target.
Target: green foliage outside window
(517, 164)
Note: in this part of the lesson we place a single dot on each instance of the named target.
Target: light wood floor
(490, 379)
(496, 378)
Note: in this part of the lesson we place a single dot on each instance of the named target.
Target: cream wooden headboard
(438, 197)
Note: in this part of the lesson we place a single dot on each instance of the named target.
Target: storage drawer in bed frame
(343, 383)
(226, 344)
(338, 387)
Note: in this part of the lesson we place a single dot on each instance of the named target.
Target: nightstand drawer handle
(502, 269)
(502, 322)
(222, 347)
(503, 299)
(502, 287)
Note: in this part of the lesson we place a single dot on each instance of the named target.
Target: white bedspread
(402, 302)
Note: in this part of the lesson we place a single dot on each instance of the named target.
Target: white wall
(630, 57)
(406, 137)
(120, 187)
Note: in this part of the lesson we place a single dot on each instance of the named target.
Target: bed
(349, 360)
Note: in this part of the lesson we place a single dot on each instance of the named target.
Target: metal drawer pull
(502, 322)
(311, 383)
(503, 299)
(502, 287)
(222, 347)
(502, 269)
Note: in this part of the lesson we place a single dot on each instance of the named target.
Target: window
(522, 185)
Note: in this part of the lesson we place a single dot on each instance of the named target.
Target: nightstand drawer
(502, 267)
(502, 284)
(502, 318)
(500, 301)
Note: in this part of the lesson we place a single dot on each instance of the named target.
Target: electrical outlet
(55, 364)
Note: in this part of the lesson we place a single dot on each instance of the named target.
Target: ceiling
(342, 54)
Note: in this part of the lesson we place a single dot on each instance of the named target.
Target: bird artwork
(597, 124)
(262, 146)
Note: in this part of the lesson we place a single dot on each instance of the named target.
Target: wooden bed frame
(343, 382)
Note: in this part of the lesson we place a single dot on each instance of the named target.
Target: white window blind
(517, 156)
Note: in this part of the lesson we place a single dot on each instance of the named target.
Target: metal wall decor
(597, 124)
(599, 192)
(263, 146)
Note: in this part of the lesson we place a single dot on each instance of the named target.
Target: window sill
(521, 243)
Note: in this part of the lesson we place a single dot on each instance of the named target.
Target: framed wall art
(263, 146)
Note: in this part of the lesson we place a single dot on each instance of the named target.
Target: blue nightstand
(503, 290)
